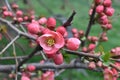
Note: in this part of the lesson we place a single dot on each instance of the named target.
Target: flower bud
(58, 58)
(51, 23)
(99, 8)
(33, 28)
(73, 43)
(109, 11)
(107, 3)
(61, 30)
(92, 65)
(91, 47)
(42, 20)
(19, 13)
(31, 68)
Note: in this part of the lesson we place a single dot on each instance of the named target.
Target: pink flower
(42, 20)
(51, 42)
(51, 23)
(110, 74)
(19, 13)
(31, 68)
(58, 58)
(109, 11)
(49, 75)
(61, 30)
(99, 8)
(25, 78)
(33, 28)
(73, 43)
(91, 47)
(107, 3)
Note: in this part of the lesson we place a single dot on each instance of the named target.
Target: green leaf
(105, 57)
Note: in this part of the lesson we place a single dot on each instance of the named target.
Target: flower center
(50, 42)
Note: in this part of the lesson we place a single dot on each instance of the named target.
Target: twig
(38, 48)
(9, 68)
(68, 22)
(18, 57)
(89, 25)
(8, 5)
(81, 54)
(14, 53)
(17, 30)
(9, 44)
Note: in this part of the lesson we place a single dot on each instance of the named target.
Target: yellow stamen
(50, 42)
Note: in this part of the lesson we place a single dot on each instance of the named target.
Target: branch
(38, 48)
(68, 22)
(17, 57)
(89, 25)
(17, 30)
(9, 44)
(82, 54)
(9, 68)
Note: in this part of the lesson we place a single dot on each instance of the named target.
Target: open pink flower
(51, 42)
(110, 74)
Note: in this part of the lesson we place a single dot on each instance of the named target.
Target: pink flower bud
(105, 38)
(49, 75)
(104, 20)
(20, 19)
(76, 35)
(15, 6)
(81, 33)
(4, 8)
(6, 13)
(51, 23)
(33, 28)
(99, 64)
(58, 58)
(73, 43)
(91, 47)
(74, 30)
(19, 13)
(10, 14)
(61, 30)
(90, 11)
(107, 3)
(109, 11)
(25, 18)
(31, 68)
(42, 20)
(92, 65)
(84, 49)
(25, 78)
(99, 8)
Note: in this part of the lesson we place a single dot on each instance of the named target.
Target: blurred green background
(81, 19)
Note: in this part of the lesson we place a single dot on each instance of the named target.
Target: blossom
(33, 28)
(58, 58)
(51, 23)
(110, 74)
(73, 43)
(51, 42)
(48, 75)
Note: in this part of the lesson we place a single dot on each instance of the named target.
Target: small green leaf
(105, 57)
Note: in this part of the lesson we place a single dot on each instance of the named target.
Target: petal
(59, 41)
(42, 41)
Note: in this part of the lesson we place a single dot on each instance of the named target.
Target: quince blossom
(51, 42)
